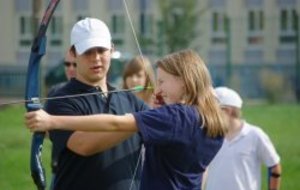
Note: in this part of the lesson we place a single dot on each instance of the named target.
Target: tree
(178, 24)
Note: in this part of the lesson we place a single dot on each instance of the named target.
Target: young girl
(181, 137)
(139, 72)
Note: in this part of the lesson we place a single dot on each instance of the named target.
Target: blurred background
(250, 45)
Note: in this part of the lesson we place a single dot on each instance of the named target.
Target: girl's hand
(158, 100)
(38, 121)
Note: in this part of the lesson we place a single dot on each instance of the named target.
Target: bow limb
(38, 50)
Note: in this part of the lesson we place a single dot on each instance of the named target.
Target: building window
(146, 23)
(118, 24)
(145, 17)
(25, 30)
(287, 19)
(288, 26)
(219, 22)
(56, 31)
(117, 21)
(256, 20)
(219, 26)
(25, 25)
(118, 28)
(255, 26)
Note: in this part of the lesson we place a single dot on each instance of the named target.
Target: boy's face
(93, 65)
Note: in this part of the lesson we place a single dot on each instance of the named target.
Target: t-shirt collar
(82, 87)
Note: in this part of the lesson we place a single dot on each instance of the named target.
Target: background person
(94, 160)
(181, 137)
(69, 71)
(139, 72)
(237, 166)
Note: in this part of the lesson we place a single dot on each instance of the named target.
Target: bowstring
(142, 56)
(42, 99)
(133, 31)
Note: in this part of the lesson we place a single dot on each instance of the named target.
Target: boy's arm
(274, 177)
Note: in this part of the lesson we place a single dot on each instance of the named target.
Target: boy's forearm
(275, 177)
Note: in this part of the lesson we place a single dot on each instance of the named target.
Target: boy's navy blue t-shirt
(177, 148)
(111, 169)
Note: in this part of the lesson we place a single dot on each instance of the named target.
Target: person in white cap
(86, 160)
(237, 166)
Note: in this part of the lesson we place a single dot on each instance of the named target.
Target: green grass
(15, 142)
(281, 122)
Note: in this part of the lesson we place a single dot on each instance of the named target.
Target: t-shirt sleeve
(267, 150)
(58, 107)
(166, 124)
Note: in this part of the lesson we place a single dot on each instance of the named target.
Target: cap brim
(85, 45)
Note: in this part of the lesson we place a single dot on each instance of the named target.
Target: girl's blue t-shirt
(177, 148)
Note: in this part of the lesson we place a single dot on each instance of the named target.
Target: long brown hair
(188, 65)
(136, 65)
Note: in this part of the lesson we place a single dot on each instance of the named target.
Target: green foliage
(273, 85)
(179, 23)
(280, 122)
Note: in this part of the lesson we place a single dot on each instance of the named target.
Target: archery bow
(38, 50)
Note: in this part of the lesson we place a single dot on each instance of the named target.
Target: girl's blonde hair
(188, 65)
(136, 65)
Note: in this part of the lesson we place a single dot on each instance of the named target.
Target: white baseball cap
(89, 33)
(228, 97)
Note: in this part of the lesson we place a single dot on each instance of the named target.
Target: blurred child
(139, 72)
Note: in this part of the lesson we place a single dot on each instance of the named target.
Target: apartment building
(259, 31)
